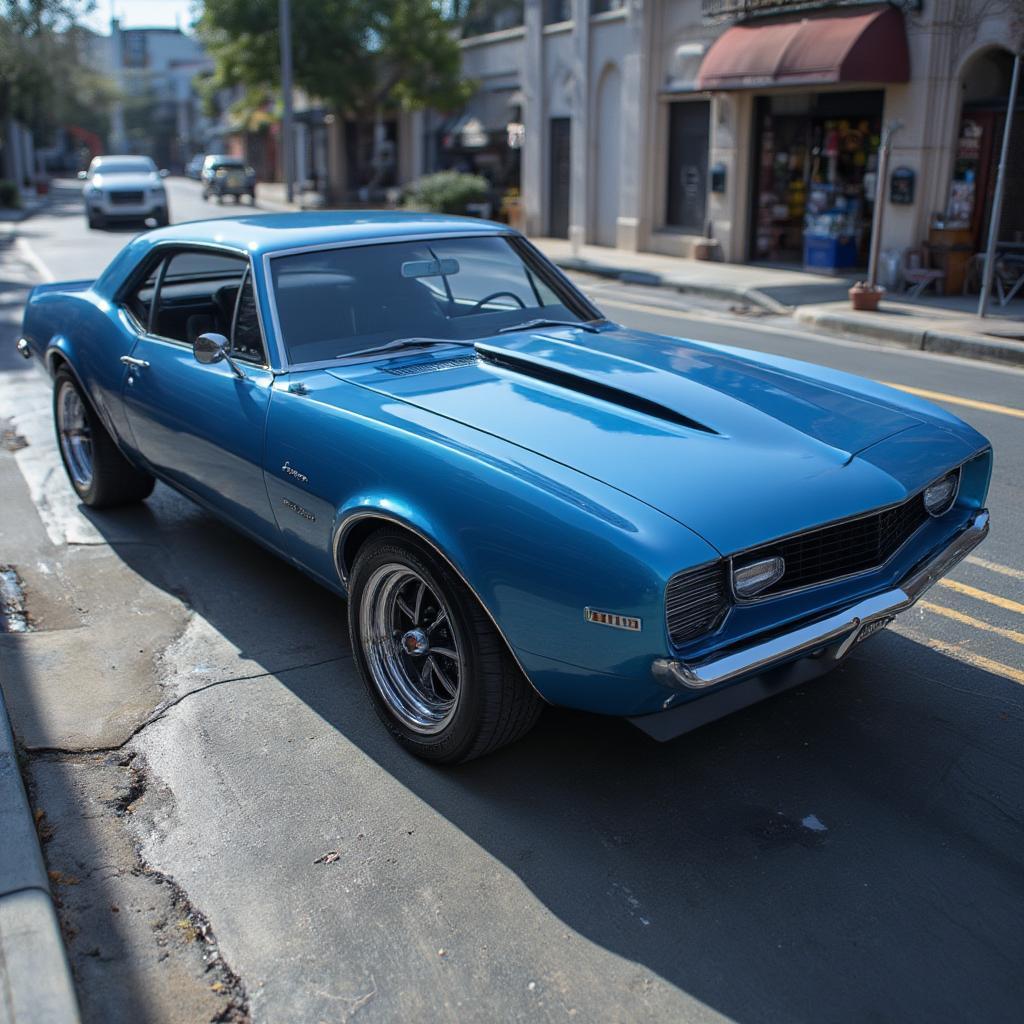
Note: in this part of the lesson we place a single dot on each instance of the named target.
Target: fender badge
(292, 471)
(298, 509)
(630, 622)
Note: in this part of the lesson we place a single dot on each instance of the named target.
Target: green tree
(362, 57)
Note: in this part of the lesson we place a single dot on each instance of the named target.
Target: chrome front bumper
(841, 630)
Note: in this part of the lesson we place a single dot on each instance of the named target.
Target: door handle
(132, 361)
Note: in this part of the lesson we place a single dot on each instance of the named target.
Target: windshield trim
(497, 232)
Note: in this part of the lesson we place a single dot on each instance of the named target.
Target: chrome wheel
(412, 647)
(75, 435)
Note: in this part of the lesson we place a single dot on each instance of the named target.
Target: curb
(969, 346)
(35, 979)
(751, 296)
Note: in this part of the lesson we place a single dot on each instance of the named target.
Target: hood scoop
(585, 386)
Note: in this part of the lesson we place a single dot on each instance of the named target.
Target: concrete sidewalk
(937, 325)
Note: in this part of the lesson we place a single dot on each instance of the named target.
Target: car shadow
(849, 850)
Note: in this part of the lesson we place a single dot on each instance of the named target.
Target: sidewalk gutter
(751, 296)
(35, 979)
(924, 336)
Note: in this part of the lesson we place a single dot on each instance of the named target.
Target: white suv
(124, 188)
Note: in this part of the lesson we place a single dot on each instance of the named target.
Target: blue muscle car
(522, 501)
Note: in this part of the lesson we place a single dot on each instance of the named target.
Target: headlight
(92, 190)
(751, 579)
(939, 496)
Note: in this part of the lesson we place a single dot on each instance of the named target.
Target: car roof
(98, 161)
(274, 232)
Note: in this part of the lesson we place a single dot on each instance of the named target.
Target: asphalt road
(851, 850)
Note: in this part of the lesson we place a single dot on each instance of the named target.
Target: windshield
(141, 166)
(337, 302)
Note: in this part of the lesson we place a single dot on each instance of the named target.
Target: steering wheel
(497, 295)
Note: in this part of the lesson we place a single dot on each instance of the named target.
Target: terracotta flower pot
(865, 298)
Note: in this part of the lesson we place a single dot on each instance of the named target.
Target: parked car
(522, 500)
(228, 176)
(124, 188)
(194, 168)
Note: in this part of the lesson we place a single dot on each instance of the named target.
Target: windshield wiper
(406, 343)
(529, 325)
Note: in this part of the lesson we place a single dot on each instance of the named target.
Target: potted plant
(865, 296)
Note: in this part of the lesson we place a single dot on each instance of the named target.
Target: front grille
(843, 549)
(696, 601)
(126, 198)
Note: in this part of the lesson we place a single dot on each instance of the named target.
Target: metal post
(287, 141)
(877, 213)
(997, 199)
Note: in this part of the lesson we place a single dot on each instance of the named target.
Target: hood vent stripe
(593, 388)
(409, 369)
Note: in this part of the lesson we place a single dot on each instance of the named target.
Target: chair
(917, 274)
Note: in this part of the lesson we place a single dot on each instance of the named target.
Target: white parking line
(31, 257)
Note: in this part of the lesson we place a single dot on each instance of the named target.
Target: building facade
(649, 124)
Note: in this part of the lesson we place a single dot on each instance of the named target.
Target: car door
(201, 427)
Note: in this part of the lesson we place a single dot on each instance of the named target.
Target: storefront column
(579, 201)
(730, 148)
(633, 226)
(532, 84)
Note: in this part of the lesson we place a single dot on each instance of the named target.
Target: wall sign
(901, 186)
(718, 178)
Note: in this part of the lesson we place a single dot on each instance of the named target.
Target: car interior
(201, 293)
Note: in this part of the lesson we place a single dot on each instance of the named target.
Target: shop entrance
(986, 86)
(814, 178)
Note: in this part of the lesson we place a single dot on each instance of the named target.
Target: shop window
(688, 166)
(815, 178)
(604, 6)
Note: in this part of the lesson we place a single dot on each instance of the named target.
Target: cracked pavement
(204, 760)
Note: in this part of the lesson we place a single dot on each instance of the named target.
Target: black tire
(163, 218)
(96, 221)
(206, 196)
(494, 704)
(113, 480)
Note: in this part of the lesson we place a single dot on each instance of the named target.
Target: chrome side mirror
(82, 175)
(213, 348)
(164, 173)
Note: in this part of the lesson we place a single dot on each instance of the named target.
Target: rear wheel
(95, 220)
(438, 673)
(99, 473)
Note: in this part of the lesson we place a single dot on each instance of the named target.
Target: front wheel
(101, 476)
(438, 673)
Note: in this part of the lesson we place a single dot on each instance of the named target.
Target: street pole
(287, 142)
(997, 200)
(877, 214)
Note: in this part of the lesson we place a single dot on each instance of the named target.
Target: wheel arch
(356, 526)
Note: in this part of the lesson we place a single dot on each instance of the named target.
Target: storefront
(816, 90)
(814, 180)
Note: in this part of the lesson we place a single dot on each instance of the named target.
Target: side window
(246, 340)
(140, 299)
(197, 295)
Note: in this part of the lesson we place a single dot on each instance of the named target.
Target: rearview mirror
(82, 175)
(213, 348)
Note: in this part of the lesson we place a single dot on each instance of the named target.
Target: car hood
(739, 450)
(126, 181)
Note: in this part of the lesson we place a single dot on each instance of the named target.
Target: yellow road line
(983, 595)
(970, 403)
(968, 620)
(1003, 570)
(997, 668)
